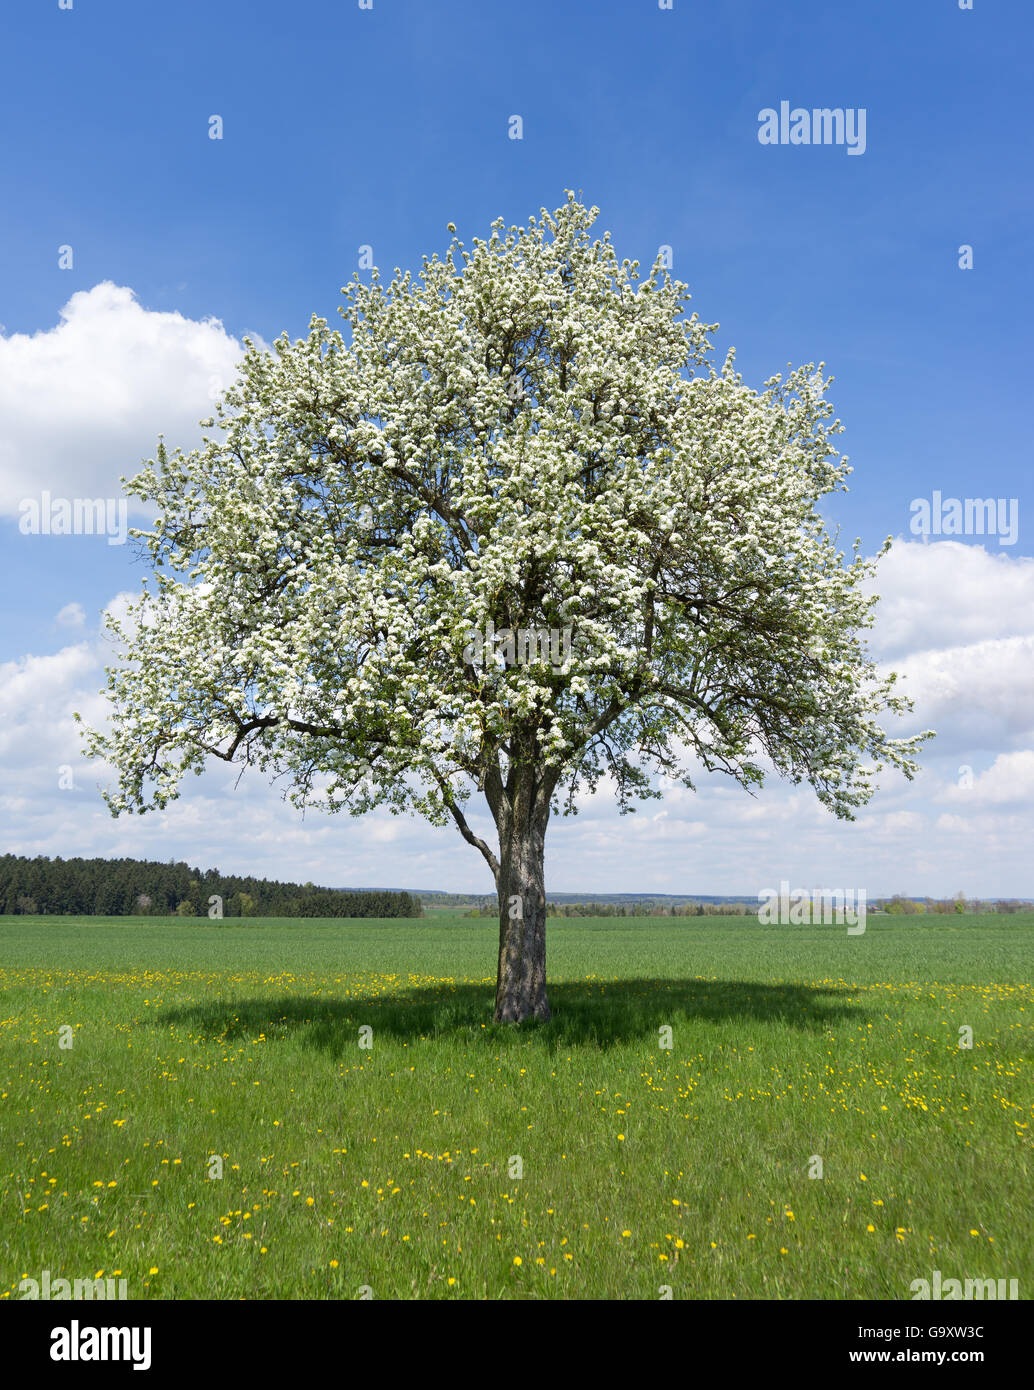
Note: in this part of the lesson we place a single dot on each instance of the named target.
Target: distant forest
(138, 887)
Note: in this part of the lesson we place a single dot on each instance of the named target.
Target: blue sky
(345, 127)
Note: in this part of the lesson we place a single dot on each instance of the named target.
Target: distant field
(390, 1168)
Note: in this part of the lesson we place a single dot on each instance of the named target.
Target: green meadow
(190, 1105)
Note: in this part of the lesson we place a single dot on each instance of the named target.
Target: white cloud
(946, 594)
(72, 615)
(1008, 781)
(975, 697)
(85, 401)
(38, 696)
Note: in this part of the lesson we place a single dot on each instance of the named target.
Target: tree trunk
(521, 981)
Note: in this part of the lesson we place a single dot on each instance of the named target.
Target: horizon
(556, 896)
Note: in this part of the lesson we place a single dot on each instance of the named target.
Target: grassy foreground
(393, 1168)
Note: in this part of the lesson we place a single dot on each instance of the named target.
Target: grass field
(389, 1168)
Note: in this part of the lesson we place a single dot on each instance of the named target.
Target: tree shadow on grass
(593, 1013)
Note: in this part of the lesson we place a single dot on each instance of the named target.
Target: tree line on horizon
(141, 887)
(898, 905)
(136, 887)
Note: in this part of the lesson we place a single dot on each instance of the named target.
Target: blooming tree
(514, 534)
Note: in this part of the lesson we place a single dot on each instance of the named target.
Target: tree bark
(521, 979)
